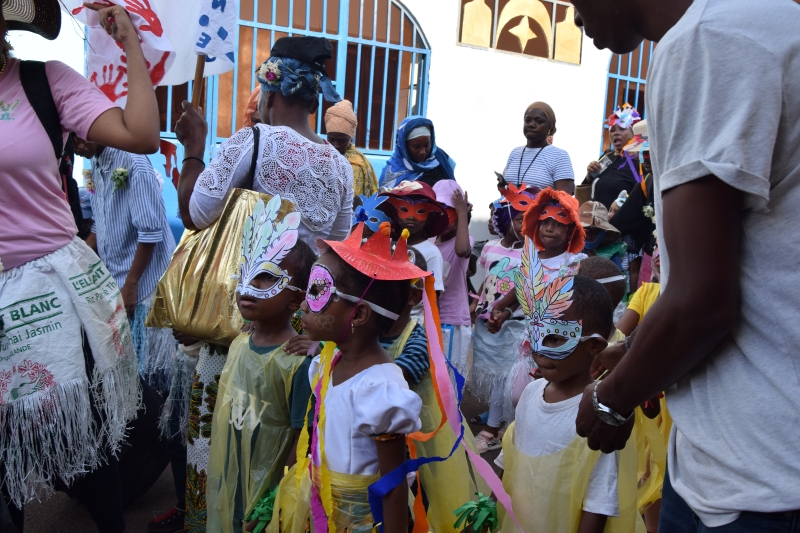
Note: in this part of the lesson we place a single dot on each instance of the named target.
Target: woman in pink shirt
(68, 379)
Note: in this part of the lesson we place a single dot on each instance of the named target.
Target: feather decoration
(265, 244)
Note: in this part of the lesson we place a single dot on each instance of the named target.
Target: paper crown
(625, 117)
(550, 196)
(368, 212)
(520, 197)
(374, 258)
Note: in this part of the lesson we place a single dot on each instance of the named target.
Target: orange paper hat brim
(530, 222)
(362, 257)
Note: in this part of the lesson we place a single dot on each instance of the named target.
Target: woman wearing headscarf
(416, 156)
(292, 161)
(68, 370)
(341, 123)
(539, 164)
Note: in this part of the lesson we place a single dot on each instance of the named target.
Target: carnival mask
(322, 289)
(520, 197)
(368, 212)
(265, 244)
(419, 209)
(557, 213)
(544, 305)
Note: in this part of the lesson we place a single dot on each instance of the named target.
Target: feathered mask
(265, 244)
(544, 304)
(625, 117)
(368, 212)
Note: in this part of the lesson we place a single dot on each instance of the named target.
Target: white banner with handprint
(168, 43)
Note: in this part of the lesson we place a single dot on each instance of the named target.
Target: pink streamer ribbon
(447, 394)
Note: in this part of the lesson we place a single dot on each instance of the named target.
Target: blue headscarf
(400, 167)
(290, 76)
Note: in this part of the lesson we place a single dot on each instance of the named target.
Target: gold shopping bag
(197, 293)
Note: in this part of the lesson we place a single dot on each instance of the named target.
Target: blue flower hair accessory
(290, 76)
(368, 212)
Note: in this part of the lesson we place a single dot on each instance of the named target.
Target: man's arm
(142, 257)
(698, 308)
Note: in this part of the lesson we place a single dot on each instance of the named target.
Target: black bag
(33, 77)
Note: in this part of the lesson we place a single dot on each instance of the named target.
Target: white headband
(612, 279)
(419, 131)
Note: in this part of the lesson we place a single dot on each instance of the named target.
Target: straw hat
(37, 16)
(595, 214)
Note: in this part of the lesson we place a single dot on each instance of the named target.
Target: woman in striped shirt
(538, 163)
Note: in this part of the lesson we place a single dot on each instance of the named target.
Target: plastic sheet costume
(547, 491)
(338, 501)
(251, 434)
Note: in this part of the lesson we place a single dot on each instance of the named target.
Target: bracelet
(510, 311)
(627, 344)
(195, 158)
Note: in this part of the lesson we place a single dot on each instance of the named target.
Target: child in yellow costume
(263, 389)
(555, 481)
(446, 484)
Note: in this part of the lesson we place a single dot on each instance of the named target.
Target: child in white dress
(364, 408)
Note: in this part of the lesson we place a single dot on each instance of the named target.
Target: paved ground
(63, 515)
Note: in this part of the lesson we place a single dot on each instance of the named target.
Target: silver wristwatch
(607, 414)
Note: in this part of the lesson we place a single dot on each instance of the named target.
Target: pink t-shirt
(35, 218)
(454, 301)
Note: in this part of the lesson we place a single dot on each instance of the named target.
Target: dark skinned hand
(612, 437)
(300, 345)
(608, 359)
(191, 130)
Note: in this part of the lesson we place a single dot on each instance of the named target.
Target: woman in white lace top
(292, 160)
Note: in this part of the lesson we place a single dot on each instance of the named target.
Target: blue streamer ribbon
(382, 487)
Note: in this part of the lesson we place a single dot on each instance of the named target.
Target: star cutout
(523, 32)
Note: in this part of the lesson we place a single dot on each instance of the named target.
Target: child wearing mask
(495, 354)
(455, 245)
(412, 206)
(555, 481)
(263, 388)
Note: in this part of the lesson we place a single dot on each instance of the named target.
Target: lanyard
(519, 181)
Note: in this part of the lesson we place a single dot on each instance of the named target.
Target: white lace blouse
(314, 176)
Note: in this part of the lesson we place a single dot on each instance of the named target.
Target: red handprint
(159, 70)
(170, 153)
(142, 8)
(109, 85)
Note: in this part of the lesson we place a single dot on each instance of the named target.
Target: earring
(352, 328)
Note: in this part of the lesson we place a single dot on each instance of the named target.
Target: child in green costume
(264, 388)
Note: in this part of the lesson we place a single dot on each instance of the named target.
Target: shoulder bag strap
(37, 89)
(251, 177)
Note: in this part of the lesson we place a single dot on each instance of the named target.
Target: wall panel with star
(537, 28)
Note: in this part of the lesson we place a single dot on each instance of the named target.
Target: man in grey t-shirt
(724, 110)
